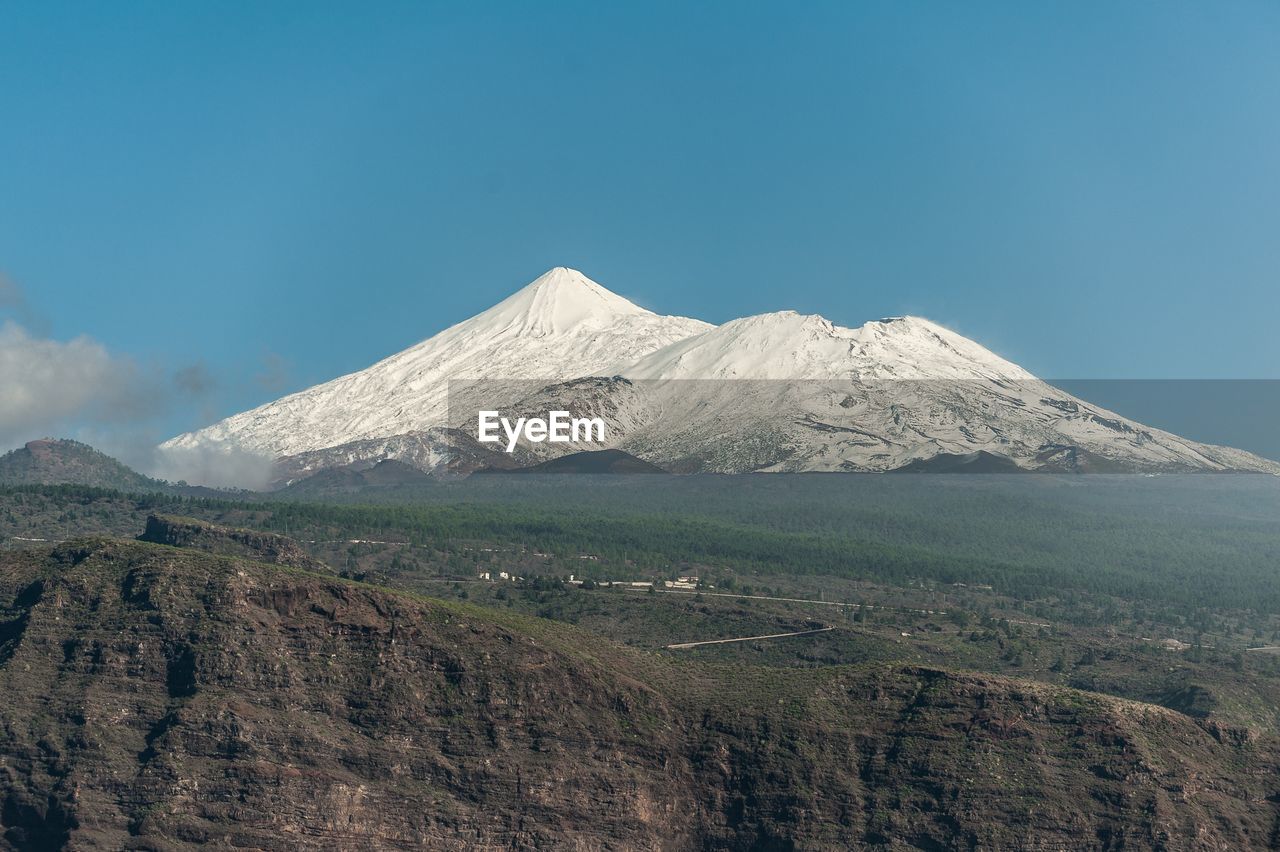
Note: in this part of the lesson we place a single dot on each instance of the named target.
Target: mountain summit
(560, 326)
(560, 301)
(774, 392)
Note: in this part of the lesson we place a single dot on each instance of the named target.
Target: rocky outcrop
(228, 541)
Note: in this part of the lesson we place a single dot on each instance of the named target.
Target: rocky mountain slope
(774, 392)
(159, 697)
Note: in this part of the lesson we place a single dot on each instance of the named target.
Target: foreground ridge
(159, 695)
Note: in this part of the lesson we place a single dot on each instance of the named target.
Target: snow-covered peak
(561, 326)
(557, 301)
(793, 346)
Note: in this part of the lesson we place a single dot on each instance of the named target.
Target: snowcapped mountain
(789, 392)
(560, 326)
(774, 392)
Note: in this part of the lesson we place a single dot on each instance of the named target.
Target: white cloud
(79, 389)
(48, 387)
(219, 466)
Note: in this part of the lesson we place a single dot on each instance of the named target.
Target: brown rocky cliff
(158, 698)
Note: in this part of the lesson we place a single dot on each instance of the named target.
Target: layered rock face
(159, 698)
(212, 538)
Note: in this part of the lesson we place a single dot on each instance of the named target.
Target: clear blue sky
(282, 192)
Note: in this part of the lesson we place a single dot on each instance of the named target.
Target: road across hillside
(681, 645)
(788, 600)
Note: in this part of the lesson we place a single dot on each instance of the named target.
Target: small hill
(60, 461)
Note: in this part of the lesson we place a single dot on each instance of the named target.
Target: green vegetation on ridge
(1181, 542)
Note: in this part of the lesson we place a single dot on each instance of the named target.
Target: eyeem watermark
(559, 427)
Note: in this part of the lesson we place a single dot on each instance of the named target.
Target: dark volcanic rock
(1068, 459)
(589, 461)
(157, 698)
(388, 473)
(977, 462)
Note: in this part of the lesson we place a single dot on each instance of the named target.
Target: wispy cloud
(15, 305)
(195, 380)
(274, 375)
(217, 465)
(11, 295)
(79, 389)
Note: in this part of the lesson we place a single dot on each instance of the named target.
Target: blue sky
(266, 195)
